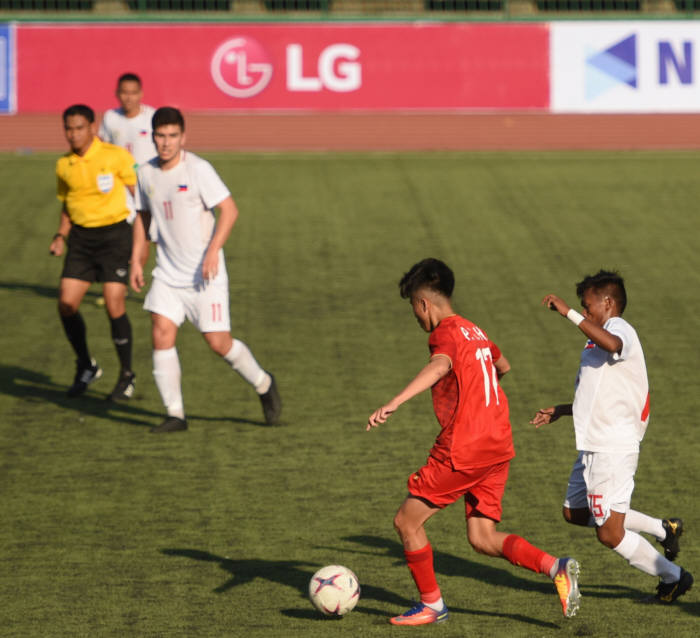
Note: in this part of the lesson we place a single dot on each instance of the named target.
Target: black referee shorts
(99, 254)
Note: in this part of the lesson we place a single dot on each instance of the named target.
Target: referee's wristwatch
(61, 235)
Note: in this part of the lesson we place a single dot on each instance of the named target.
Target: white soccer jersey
(132, 133)
(181, 200)
(611, 404)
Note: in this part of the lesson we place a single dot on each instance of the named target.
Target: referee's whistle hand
(56, 247)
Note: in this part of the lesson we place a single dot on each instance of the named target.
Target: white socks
(639, 553)
(241, 359)
(555, 568)
(638, 522)
(166, 372)
(437, 605)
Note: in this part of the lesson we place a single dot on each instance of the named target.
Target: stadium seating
(456, 9)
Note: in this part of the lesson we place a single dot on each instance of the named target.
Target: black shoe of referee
(124, 389)
(84, 376)
(171, 424)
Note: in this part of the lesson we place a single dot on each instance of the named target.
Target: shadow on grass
(36, 387)
(618, 591)
(296, 574)
(451, 565)
(52, 291)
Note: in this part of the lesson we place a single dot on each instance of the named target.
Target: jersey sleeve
(141, 195)
(620, 328)
(126, 168)
(143, 202)
(61, 186)
(211, 187)
(496, 353)
(441, 342)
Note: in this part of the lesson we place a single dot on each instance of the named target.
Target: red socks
(519, 552)
(420, 562)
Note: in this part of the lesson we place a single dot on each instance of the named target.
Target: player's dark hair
(429, 273)
(129, 77)
(605, 282)
(168, 115)
(79, 109)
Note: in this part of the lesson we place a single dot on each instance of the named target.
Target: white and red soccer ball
(334, 590)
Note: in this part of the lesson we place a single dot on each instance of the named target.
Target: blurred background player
(129, 125)
(93, 179)
(471, 455)
(611, 413)
(179, 191)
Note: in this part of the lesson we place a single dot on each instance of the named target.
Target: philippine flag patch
(143, 133)
(182, 188)
(589, 345)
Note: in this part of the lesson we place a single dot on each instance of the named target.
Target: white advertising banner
(625, 67)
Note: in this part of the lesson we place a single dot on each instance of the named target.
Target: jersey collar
(94, 147)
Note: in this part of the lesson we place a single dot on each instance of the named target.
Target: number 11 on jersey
(483, 355)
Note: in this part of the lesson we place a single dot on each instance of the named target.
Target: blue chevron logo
(611, 67)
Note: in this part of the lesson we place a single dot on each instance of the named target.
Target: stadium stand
(441, 9)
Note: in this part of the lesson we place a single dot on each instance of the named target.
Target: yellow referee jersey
(92, 187)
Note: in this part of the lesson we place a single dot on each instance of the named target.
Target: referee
(92, 182)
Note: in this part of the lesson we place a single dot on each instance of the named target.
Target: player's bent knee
(483, 545)
(66, 308)
(579, 516)
(404, 526)
(219, 342)
(478, 546)
(610, 534)
(609, 538)
(163, 338)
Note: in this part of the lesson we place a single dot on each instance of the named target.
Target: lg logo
(338, 69)
(241, 68)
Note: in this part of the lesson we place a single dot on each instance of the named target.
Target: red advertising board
(251, 67)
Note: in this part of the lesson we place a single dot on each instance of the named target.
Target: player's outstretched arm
(597, 334)
(139, 254)
(58, 243)
(549, 415)
(438, 367)
(228, 213)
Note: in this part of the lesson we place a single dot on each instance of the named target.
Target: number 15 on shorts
(595, 505)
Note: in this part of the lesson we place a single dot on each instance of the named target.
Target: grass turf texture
(108, 530)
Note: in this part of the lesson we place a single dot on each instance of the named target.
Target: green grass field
(108, 530)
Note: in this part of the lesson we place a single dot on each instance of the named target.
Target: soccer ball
(334, 590)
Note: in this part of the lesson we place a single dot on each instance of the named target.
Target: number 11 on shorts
(216, 312)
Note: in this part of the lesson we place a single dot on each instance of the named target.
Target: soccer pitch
(108, 530)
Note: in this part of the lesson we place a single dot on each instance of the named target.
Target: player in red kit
(472, 452)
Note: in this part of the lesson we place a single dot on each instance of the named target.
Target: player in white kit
(176, 196)
(129, 125)
(611, 412)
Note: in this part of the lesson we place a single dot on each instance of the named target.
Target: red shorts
(482, 487)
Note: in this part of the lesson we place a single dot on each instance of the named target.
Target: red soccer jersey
(469, 403)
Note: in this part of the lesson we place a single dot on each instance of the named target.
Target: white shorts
(205, 306)
(602, 482)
